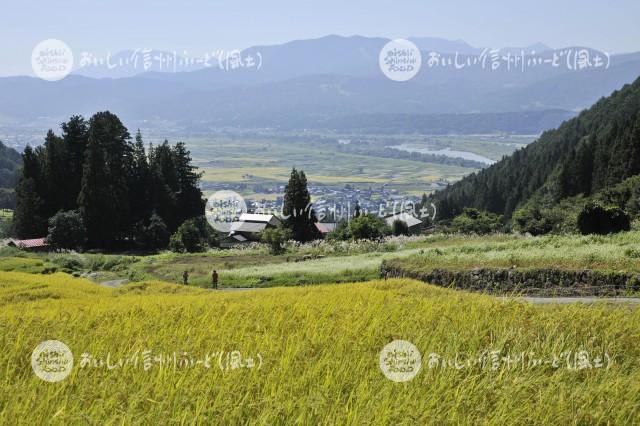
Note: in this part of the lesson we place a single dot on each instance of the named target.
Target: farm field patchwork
(255, 160)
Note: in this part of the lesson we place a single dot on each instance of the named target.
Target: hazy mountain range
(312, 83)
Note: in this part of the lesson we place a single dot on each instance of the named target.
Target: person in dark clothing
(214, 279)
(185, 278)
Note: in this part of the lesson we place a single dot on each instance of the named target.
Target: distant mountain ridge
(315, 81)
(129, 63)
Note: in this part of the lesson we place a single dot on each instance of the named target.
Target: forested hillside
(585, 155)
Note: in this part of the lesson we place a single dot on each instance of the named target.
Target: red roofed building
(33, 244)
(325, 228)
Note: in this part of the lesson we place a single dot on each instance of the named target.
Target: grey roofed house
(241, 227)
(413, 223)
(250, 225)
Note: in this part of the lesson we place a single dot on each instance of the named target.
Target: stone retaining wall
(529, 282)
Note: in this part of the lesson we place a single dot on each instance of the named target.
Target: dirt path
(566, 300)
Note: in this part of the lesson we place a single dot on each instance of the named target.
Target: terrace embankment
(529, 282)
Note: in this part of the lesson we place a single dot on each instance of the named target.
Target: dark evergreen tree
(113, 183)
(188, 195)
(97, 200)
(28, 222)
(164, 186)
(56, 174)
(29, 216)
(300, 217)
(140, 184)
(75, 134)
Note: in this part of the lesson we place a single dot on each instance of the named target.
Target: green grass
(25, 264)
(620, 252)
(6, 214)
(320, 348)
(324, 262)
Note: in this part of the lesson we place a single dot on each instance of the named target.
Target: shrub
(276, 239)
(474, 221)
(175, 243)
(194, 235)
(399, 227)
(368, 227)
(66, 230)
(340, 233)
(71, 263)
(598, 219)
(153, 236)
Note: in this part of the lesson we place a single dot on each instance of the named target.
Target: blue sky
(199, 25)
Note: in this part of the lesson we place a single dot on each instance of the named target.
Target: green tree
(29, 217)
(66, 230)
(155, 235)
(28, 221)
(368, 227)
(532, 220)
(164, 184)
(474, 221)
(194, 235)
(276, 238)
(598, 219)
(300, 217)
(140, 183)
(56, 173)
(399, 227)
(75, 135)
(341, 232)
(97, 201)
(188, 196)
(114, 183)
(104, 196)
